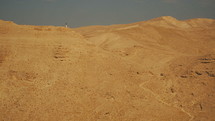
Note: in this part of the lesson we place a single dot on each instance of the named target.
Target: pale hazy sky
(101, 12)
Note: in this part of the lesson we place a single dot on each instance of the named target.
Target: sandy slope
(157, 70)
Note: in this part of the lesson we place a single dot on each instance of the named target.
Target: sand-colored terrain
(157, 70)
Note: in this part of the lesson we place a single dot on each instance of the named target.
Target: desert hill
(157, 70)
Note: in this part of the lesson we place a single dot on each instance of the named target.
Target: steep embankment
(161, 69)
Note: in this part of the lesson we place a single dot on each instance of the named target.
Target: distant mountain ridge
(160, 21)
(167, 21)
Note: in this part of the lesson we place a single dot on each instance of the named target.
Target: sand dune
(157, 70)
